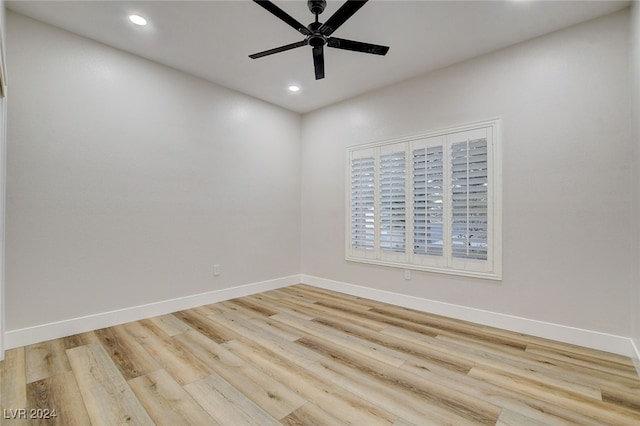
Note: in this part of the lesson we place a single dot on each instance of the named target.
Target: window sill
(484, 275)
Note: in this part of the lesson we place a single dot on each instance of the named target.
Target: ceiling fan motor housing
(316, 6)
(316, 38)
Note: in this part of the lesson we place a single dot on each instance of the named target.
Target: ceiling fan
(318, 34)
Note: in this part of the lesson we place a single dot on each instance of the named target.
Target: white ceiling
(212, 39)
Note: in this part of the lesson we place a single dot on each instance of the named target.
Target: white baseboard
(577, 336)
(54, 330)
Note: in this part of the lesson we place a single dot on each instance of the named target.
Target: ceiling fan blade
(357, 46)
(284, 16)
(318, 61)
(279, 49)
(345, 12)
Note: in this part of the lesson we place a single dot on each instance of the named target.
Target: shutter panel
(393, 204)
(469, 197)
(428, 201)
(363, 180)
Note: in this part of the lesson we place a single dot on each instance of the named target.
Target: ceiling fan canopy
(318, 34)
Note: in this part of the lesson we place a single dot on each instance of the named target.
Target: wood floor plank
(627, 371)
(311, 415)
(58, 401)
(167, 402)
(226, 404)
(343, 299)
(515, 401)
(206, 310)
(239, 309)
(403, 422)
(491, 333)
(456, 329)
(402, 404)
(170, 324)
(358, 344)
(382, 319)
(409, 348)
(275, 398)
(466, 358)
(509, 357)
(105, 393)
(272, 294)
(552, 367)
(336, 300)
(278, 328)
(313, 311)
(451, 403)
(201, 323)
(319, 390)
(623, 397)
(253, 305)
(297, 307)
(511, 418)
(181, 364)
(580, 352)
(528, 406)
(246, 328)
(128, 355)
(80, 339)
(275, 305)
(46, 359)
(600, 411)
(13, 384)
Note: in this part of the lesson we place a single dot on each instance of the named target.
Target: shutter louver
(428, 193)
(363, 203)
(469, 203)
(392, 202)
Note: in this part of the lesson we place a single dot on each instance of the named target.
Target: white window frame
(447, 263)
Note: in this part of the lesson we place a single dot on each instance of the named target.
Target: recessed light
(294, 88)
(138, 20)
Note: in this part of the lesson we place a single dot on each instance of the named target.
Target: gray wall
(3, 165)
(635, 75)
(565, 104)
(128, 180)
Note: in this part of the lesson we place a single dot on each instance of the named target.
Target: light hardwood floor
(302, 355)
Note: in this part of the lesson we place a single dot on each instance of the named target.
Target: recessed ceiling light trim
(294, 88)
(137, 19)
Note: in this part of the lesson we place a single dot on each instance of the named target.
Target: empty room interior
(404, 212)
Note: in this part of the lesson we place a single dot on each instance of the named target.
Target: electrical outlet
(216, 270)
(407, 274)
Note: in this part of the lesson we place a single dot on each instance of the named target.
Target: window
(429, 202)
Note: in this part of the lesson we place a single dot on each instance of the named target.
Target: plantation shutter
(428, 201)
(470, 194)
(393, 202)
(363, 189)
